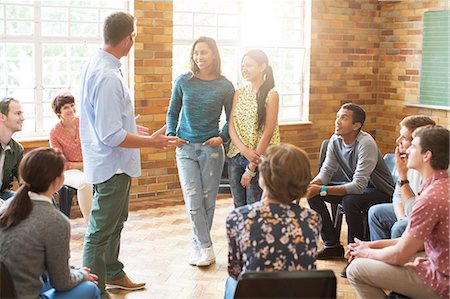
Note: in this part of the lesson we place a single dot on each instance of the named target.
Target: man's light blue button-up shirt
(106, 115)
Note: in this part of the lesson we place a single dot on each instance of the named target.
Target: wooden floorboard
(156, 245)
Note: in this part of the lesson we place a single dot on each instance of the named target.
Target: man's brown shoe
(124, 283)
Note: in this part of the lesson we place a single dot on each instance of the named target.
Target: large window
(280, 28)
(43, 47)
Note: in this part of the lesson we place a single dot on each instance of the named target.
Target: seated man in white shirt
(389, 220)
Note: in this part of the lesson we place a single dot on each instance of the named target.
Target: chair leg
(338, 220)
(65, 200)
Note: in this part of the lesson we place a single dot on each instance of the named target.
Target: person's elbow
(400, 258)
(114, 139)
(355, 188)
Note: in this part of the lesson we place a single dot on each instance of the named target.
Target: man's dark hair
(435, 139)
(359, 115)
(117, 26)
(4, 105)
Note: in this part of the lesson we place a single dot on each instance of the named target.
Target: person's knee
(353, 269)
(90, 290)
(374, 214)
(351, 204)
(398, 228)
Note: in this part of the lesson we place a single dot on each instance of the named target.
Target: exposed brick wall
(399, 66)
(344, 66)
(153, 77)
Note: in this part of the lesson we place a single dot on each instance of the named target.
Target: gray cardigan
(39, 244)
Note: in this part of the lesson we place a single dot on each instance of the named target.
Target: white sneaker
(195, 256)
(207, 257)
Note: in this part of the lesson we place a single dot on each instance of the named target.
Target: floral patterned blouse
(272, 237)
(245, 120)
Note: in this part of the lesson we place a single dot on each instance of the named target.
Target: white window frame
(242, 46)
(37, 40)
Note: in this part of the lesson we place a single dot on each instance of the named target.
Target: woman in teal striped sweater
(200, 95)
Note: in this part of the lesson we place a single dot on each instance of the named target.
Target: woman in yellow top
(253, 127)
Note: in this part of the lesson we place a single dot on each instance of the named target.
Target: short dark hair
(117, 26)
(4, 105)
(413, 122)
(286, 172)
(60, 100)
(435, 139)
(212, 45)
(359, 115)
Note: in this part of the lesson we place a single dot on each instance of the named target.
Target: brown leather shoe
(125, 283)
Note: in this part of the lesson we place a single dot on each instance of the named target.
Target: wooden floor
(156, 245)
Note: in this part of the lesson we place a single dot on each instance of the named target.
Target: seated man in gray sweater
(368, 179)
(389, 220)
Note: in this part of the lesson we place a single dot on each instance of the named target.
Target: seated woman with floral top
(65, 136)
(274, 234)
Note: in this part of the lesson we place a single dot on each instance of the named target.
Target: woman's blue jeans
(242, 196)
(200, 168)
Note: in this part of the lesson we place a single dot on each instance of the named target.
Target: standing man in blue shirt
(110, 140)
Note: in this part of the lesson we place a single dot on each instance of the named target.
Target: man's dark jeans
(355, 207)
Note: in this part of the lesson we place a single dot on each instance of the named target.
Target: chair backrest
(389, 159)
(7, 289)
(339, 175)
(294, 284)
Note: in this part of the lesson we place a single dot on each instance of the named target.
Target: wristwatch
(402, 182)
(323, 191)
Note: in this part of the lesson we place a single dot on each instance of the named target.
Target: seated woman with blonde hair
(65, 137)
(274, 234)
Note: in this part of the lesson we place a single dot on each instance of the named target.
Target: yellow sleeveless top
(245, 120)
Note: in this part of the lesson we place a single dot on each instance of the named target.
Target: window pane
(83, 29)
(87, 15)
(19, 65)
(205, 20)
(182, 18)
(228, 34)
(290, 113)
(19, 28)
(55, 61)
(180, 60)
(54, 13)
(205, 31)
(19, 12)
(54, 29)
(182, 32)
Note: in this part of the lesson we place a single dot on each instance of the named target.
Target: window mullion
(38, 86)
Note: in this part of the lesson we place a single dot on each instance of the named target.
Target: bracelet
(250, 173)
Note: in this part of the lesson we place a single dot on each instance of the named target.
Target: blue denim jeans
(355, 207)
(230, 288)
(85, 290)
(242, 196)
(7, 195)
(200, 168)
(383, 223)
